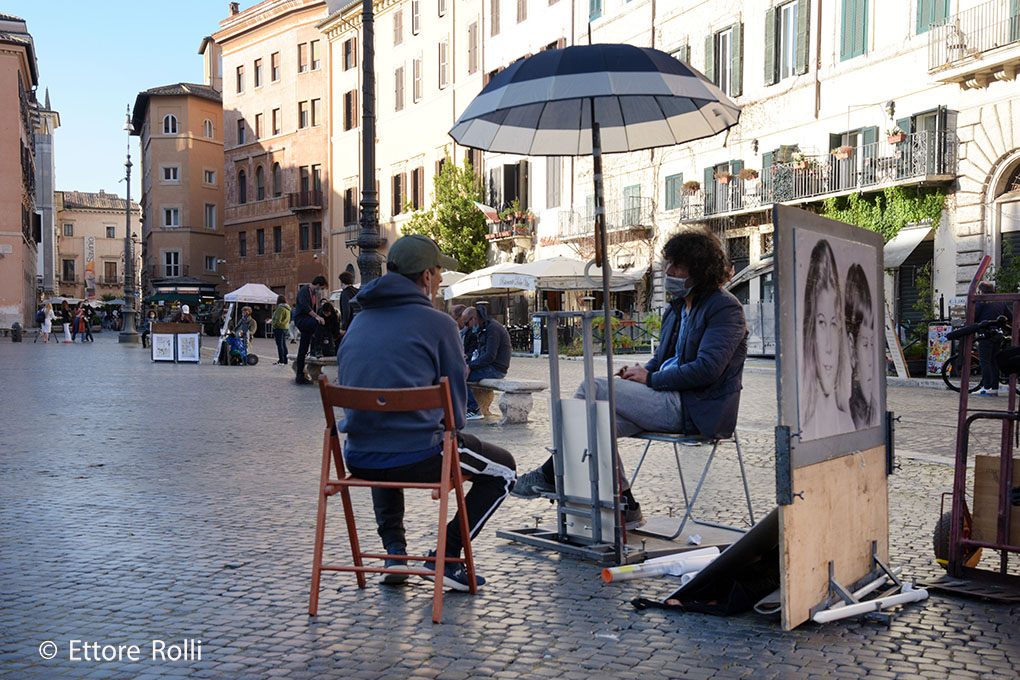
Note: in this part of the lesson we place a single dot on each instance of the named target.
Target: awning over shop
(899, 248)
(494, 280)
(183, 298)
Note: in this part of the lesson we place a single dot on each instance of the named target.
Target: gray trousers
(639, 408)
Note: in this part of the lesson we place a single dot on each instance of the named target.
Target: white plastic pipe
(688, 577)
(908, 595)
(677, 567)
(870, 587)
(676, 557)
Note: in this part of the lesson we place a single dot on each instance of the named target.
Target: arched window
(1007, 212)
(242, 187)
(277, 180)
(169, 124)
(208, 128)
(260, 184)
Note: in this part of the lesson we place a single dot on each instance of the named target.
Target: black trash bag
(734, 594)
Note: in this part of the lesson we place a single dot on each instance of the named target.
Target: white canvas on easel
(576, 479)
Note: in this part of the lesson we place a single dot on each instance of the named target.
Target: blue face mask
(677, 287)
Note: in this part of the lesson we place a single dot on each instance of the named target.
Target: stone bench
(514, 403)
(313, 365)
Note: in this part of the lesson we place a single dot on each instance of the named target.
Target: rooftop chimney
(234, 8)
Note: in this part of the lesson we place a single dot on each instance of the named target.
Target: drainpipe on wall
(818, 58)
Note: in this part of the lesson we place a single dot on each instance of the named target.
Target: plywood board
(576, 469)
(986, 500)
(845, 506)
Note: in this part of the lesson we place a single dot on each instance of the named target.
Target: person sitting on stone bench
(489, 346)
(692, 384)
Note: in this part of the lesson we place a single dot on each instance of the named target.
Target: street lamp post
(128, 334)
(369, 259)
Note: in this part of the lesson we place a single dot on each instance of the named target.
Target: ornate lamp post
(369, 259)
(128, 334)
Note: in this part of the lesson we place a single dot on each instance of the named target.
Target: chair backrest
(392, 400)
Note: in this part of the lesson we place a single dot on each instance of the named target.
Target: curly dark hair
(702, 254)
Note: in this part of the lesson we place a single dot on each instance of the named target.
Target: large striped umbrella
(595, 99)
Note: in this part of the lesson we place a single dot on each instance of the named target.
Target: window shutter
(737, 61)
(525, 189)
(736, 166)
(904, 124)
(709, 188)
(803, 36)
(710, 57)
(923, 15)
(845, 29)
(870, 135)
(860, 22)
(684, 54)
(770, 47)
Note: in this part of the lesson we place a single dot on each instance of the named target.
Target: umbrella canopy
(118, 301)
(499, 278)
(643, 98)
(566, 273)
(60, 300)
(253, 294)
(450, 278)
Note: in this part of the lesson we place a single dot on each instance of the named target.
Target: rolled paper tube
(688, 577)
(679, 567)
(687, 554)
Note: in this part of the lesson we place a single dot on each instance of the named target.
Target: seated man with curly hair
(692, 384)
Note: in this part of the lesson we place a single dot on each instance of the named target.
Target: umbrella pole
(601, 253)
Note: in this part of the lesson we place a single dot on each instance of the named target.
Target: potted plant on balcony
(747, 174)
(691, 186)
(842, 152)
(895, 135)
(723, 176)
(517, 218)
(800, 161)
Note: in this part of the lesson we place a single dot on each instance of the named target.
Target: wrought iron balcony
(305, 200)
(517, 228)
(926, 156)
(632, 213)
(977, 45)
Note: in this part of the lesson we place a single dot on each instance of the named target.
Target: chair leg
(680, 470)
(638, 468)
(320, 533)
(352, 533)
(743, 478)
(440, 565)
(697, 490)
(465, 532)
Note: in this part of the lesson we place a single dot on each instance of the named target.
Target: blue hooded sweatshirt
(399, 340)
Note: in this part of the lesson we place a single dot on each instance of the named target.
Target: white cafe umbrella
(593, 99)
(497, 279)
(567, 273)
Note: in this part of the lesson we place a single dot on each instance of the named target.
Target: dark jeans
(989, 369)
(281, 344)
(481, 373)
(307, 326)
(493, 473)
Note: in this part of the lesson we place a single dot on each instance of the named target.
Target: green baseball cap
(415, 253)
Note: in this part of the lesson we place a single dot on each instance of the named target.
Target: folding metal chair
(390, 400)
(682, 439)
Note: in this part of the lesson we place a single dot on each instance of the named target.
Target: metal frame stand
(844, 602)
(600, 547)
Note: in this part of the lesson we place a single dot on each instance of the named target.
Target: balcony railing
(159, 271)
(633, 213)
(508, 229)
(926, 155)
(305, 200)
(351, 231)
(971, 32)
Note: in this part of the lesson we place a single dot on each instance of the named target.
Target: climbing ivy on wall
(889, 211)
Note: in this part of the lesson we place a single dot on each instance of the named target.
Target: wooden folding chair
(390, 400)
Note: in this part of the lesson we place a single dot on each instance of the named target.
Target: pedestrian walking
(987, 348)
(47, 322)
(281, 324)
(147, 330)
(88, 323)
(346, 295)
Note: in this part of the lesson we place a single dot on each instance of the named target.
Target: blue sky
(95, 57)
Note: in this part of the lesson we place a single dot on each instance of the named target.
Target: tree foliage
(889, 211)
(453, 221)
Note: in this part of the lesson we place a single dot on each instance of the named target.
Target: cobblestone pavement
(149, 502)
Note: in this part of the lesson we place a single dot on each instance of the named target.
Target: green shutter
(869, 137)
(803, 36)
(737, 61)
(674, 191)
(736, 166)
(770, 47)
(710, 57)
(923, 15)
(685, 54)
(709, 188)
(860, 27)
(766, 162)
(1014, 20)
(904, 124)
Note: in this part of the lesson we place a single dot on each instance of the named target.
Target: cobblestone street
(150, 501)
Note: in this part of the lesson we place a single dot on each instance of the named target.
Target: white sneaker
(991, 393)
(474, 415)
(982, 392)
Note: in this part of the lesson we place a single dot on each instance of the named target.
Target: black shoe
(393, 579)
(455, 576)
(532, 485)
(302, 380)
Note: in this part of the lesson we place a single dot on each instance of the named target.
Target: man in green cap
(399, 339)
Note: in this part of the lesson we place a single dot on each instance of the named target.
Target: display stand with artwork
(176, 342)
(834, 439)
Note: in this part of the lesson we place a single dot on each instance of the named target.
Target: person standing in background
(66, 317)
(281, 324)
(346, 295)
(47, 322)
(987, 348)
